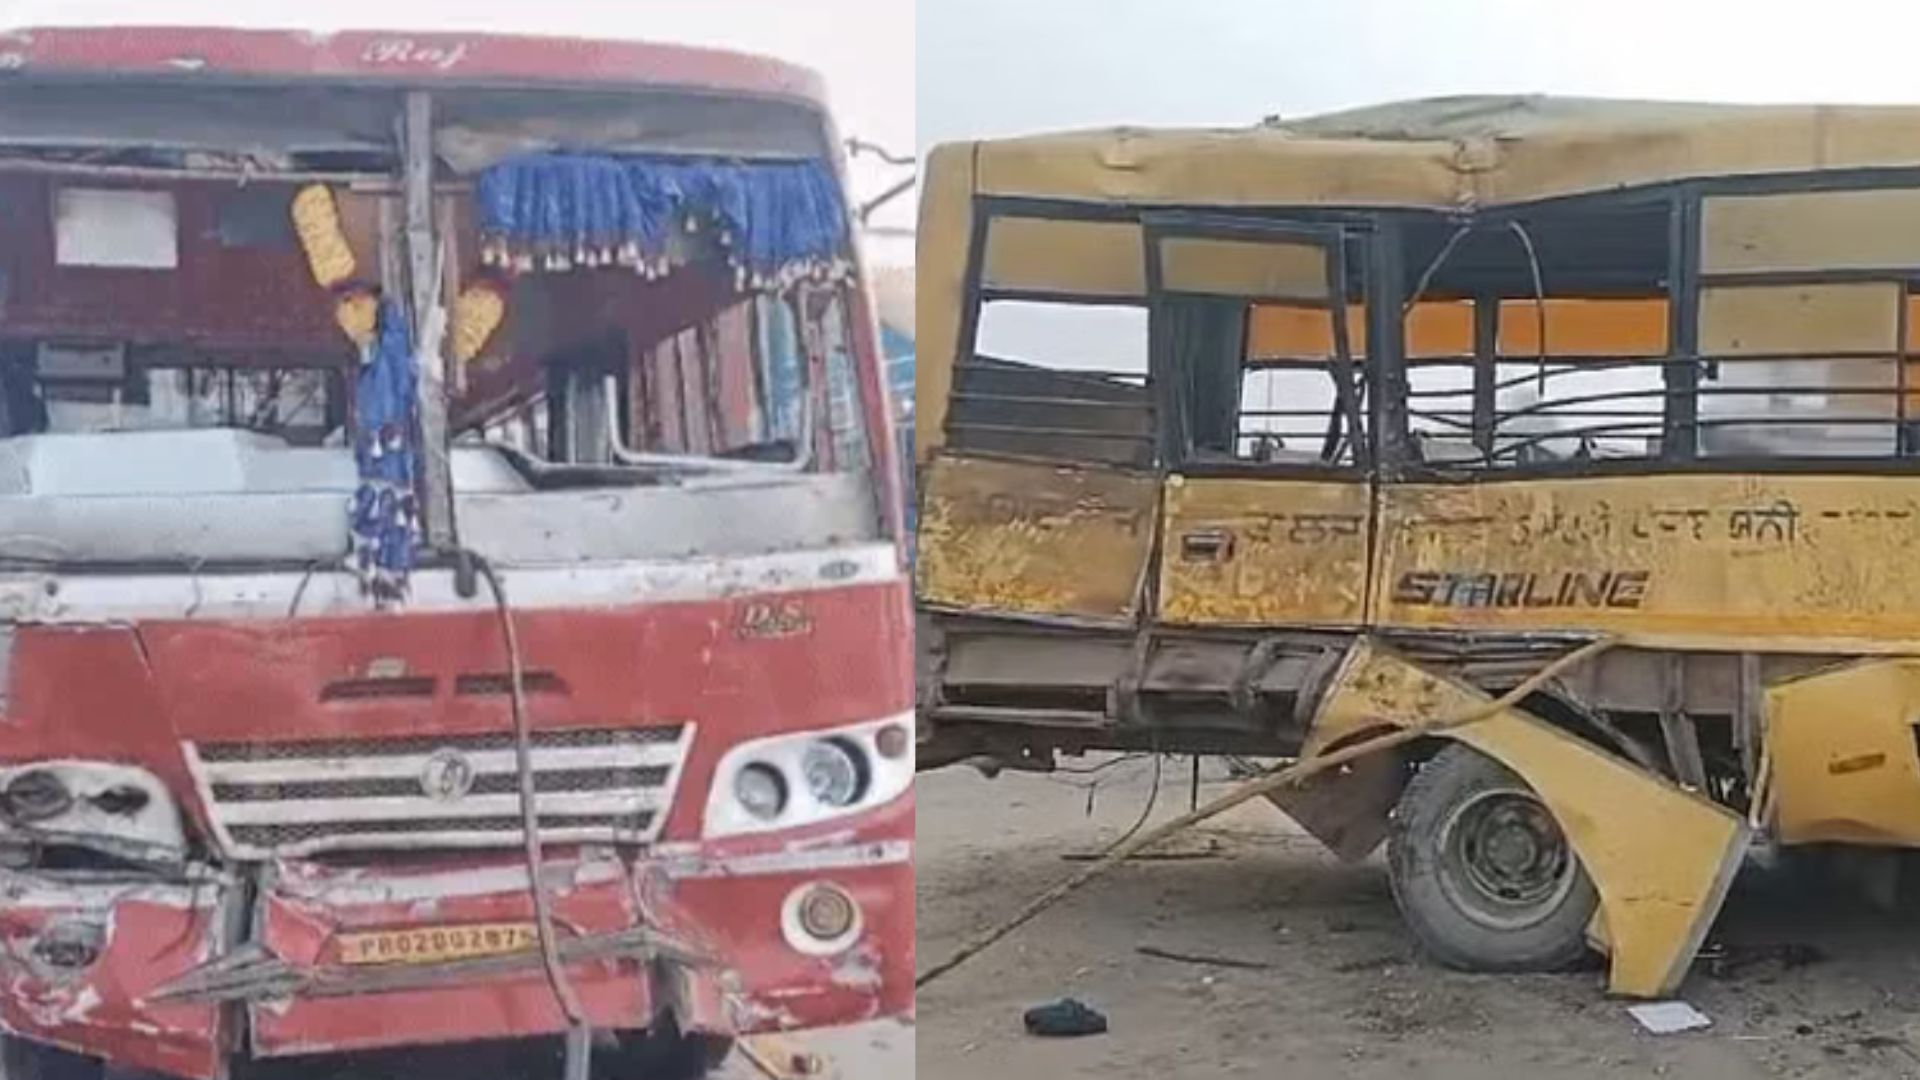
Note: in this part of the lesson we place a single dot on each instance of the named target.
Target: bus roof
(1441, 153)
(204, 54)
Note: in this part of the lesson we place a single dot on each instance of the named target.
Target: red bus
(451, 575)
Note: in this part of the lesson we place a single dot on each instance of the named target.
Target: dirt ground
(1802, 979)
(878, 1050)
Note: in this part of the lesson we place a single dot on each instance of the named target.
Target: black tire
(23, 1060)
(1481, 872)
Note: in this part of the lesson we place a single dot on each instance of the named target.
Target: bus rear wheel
(1482, 873)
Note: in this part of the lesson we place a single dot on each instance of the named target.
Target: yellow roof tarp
(1448, 153)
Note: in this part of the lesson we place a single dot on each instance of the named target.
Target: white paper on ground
(1667, 1017)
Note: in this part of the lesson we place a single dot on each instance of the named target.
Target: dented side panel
(1035, 539)
(1265, 552)
(80, 959)
(1672, 560)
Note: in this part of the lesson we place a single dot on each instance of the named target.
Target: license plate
(434, 944)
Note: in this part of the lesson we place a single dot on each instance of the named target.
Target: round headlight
(761, 791)
(836, 774)
(36, 796)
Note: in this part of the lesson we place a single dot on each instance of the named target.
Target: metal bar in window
(1347, 375)
(1680, 438)
(1033, 399)
(1486, 348)
(1849, 276)
(1386, 344)
(1902, 434)
(1070, 433)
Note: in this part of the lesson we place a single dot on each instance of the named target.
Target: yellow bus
(1582, 432)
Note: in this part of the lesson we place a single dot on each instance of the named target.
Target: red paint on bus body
(395, 57)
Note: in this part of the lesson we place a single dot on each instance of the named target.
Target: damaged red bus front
(404, 438)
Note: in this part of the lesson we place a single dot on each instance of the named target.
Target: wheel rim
(1503, 860)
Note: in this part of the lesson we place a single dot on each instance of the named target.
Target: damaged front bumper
(83, 956)
(312, 957)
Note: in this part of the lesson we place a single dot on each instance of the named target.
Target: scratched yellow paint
(1660, 858)
(1697, 558)
(1264, 552)
(1842, 747)
(1035, 539)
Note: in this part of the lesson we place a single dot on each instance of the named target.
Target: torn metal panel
(1660, 857)
(1035, 539)
(82, 955)
(338, 934)
(1841, 744)
(1347, 809)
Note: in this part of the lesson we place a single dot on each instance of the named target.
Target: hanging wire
(1539, 297)
(1433, 267)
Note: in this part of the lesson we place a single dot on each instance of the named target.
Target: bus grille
(602, 785)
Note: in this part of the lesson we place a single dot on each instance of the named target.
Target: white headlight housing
(823, 774)
(114, 808)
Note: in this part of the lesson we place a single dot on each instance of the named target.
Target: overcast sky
(991, 68)
(864, 48)
(1000, 67)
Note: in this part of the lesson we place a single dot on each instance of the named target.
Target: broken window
(1066, 381)
(1057, 366)
(104, 389)
(1538, 339)
(1804, 315)
(1256, 337)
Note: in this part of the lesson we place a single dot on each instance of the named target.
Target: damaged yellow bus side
(1255, 442)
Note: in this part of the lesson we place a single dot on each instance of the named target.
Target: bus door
(1266, 513)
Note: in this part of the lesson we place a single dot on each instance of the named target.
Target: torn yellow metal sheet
(1841, 744)
(1027, 538)
(1264, 552)
(1660, 858)
(1700, 560)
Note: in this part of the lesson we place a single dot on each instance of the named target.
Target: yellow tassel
(477, 313)
(317, 221)
(358, 315)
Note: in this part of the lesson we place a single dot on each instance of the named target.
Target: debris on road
(1065, 1018)
(1669, 1017)
(1202, 958)
(1212, 849)
(777, 1059)
(1727, 961)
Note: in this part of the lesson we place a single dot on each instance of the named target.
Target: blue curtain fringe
(779, 222)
